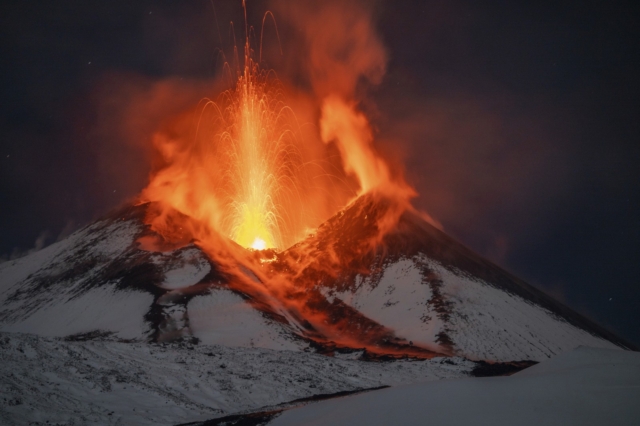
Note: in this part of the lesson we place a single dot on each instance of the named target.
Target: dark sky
(518, 123)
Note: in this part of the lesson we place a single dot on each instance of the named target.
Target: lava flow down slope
(255, 233)
(416, 292)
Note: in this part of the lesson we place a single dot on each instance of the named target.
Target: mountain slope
(412, 291)
(102, 279)
(107, 382)
(431, 290)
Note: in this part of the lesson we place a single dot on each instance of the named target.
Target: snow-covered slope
(415, 292)
(584, 387)
(106, 382)
(124, 331)
(71, 287)
(432, 291)
(223, 317)
(479, 322)
(102, 279)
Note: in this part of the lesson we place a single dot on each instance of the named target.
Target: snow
(71, 287)
(15, 271)
(224, 318)
(111, 382)
(491, 324)
(398, 301)
(420, 299)
(482, 321)
(56, 258)
(18, 271)
(587, 386)
(38, 295)
(97, 283)
(102, 308)
(184, 269)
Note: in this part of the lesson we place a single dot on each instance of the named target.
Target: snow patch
(222, 317)
(102, 308)
(399, 300)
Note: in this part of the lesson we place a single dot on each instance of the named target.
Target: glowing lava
(259, 244)
(239, 175)
(254, 174)
(243, 171)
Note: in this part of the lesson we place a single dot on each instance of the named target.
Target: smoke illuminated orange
(239, 175)
(243, 171)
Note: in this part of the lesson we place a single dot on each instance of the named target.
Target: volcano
(412, 292)
(116, 325)
(273, 258)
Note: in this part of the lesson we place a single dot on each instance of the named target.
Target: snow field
(224, 318)
(584, 387)
(114, 383)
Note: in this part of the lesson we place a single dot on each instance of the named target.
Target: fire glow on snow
(241, 169)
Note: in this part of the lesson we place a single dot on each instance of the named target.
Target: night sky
(517, 122)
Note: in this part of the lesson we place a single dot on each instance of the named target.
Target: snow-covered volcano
(105, 328)
(415, 291)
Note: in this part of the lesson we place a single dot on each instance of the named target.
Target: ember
(243, 172)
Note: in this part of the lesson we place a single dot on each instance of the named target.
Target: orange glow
(243, 171)
(259, 244)
(240, 171)
(341, 122)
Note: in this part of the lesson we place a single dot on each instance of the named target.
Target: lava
(239, 173)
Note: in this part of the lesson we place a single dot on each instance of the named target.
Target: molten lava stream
(240, 177)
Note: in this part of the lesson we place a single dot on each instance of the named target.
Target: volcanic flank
(117, 321)
(414, 292)
(263, 265)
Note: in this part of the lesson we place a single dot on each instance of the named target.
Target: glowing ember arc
(243, 176)
(240, 175)
(246, 175)
(255, 214)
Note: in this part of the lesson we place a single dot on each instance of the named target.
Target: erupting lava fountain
(234, 241)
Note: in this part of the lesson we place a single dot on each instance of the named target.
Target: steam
(344, 52)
